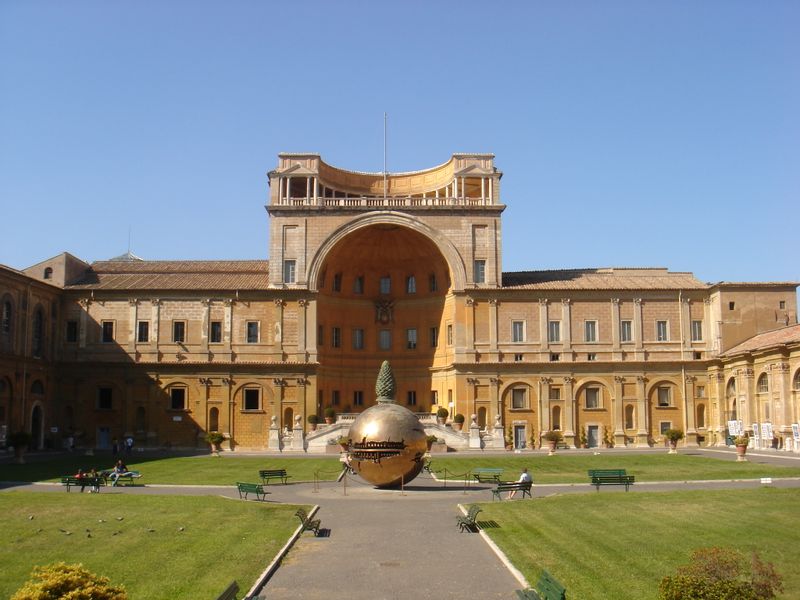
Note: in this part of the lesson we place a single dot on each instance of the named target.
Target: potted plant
(458, 422)
(553, 438)
(20, 440)
(215, 438)
(584, 441)
(430, 440)
(608, 439)
(674, 436)
(741, 442)
(344, 442)
(330, 415)
(509, 440)
(441, 415)
(313, 420)
(533, 439)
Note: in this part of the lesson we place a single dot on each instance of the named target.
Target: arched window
(762, 387)
(37, 341)
(796, 381)
(48, 273)
(482, 417)
(701, 416)
(730, 390)
(556, 426)
(6, 320)
(629, 416)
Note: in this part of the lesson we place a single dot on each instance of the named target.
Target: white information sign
(766, 431)
(756, 433)
(796, 432)
(734, 428)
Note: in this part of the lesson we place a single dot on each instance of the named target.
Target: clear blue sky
(630, 133)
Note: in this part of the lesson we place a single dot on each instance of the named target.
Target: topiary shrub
(459, 418)
(722, 574)
(442, 413)
(60, 580)
(330, 413)
(312, 419)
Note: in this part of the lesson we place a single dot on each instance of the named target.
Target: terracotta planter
(441, 420)
(741, 450)
(328, 420)
(551, 446)
(457, 426)
(673, 448)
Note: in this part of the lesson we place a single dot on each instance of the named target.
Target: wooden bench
(90, 482)
(604, 472)
(547, 588)
(626, 480)
(308, 523)
(267, 474)
(251, 488)
(483, 475)
(469, 521)
(513, 486)
(230, 592)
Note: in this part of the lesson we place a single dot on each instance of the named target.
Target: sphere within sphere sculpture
(387, 440)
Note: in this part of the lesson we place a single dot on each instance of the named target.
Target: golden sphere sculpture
(387, 441)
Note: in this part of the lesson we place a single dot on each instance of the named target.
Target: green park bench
(547, 588)
(604, 472)
(307, 522)
(82, 482)
(251, 488)
(486, 475)
(512, 486)
(469, 521)
(616, 478)
(267, 474)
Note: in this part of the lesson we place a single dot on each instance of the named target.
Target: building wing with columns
(404, 267)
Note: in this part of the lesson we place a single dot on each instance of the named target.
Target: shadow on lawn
(51, 466)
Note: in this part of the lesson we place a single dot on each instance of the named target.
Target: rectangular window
(517, 331)
(216, 332)
(731, 305)
(386, 285)
(335, 396)
(433, 333)
(700, 391)
(663, 426)
(336, 337)
(518, 398)
(411, 339)
(337, 282)
(590, 331)
(555, 357)
(320, 335)
(592, 397)
(288, 271)
(177, 398)
(697, 331)
(252, 332)
(449, 334)
(664, 396)
(358, 398)
(411, 398)
(554, 331)
(662, 332)
(434, 397)
(358, 285)
(108, 332)
(626, 331)
(385, 339)
(105, 396)
(479, 271)
(72, 332)
(411, 285)
(358, 339)
(252, 399)
(555, 393)
(591, 356)
(433, 285)
(782, 304)
(143, 332)
(179, 331)
(519, 357)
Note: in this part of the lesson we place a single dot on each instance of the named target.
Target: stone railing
(371, 203)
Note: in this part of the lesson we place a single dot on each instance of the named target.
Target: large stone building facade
(403, 267)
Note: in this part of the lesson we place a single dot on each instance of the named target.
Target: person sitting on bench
(524, 477)
(119, 469)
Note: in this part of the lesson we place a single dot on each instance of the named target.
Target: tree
(721, 574)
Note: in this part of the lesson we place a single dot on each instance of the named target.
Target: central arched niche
(357, 315)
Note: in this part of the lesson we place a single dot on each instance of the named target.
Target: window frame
(411, 338)
(357, 338)
(662, 336)
(250, 328)
(433, 284)
(358, 397)
(697, 330)
(518, 331)
(411, 285)
(211, 332)
(107, 331)
(72, 332)
(289, 270)
(762, 384)
(185, 398)
(336, 337)
(590, 331)
(517, 403)
(336, 284)
(101, 392)
(479, 271)
(358, 285)
(385, 285)
(385, 340)
(625, 331)
(143, 327)
(411, 398)
(250, 391)
(178, 324)
(660, 402)
(554, 331)
(598, 397)
(433, 336)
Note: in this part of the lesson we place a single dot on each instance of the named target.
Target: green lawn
(571, 468)
(222, 540)
(619, 546)
(204, 469)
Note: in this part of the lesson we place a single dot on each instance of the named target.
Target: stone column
(689, 410)
(619, 411)
(717, 380)
(566, 319)
(493, 327)
(616, 348)
(641, 412)
(783, 409)
(494, 391)
(638, 332)
(569, 411)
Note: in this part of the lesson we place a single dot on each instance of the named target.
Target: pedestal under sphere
(387, 445)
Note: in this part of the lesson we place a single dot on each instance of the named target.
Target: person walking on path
(524, 477)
